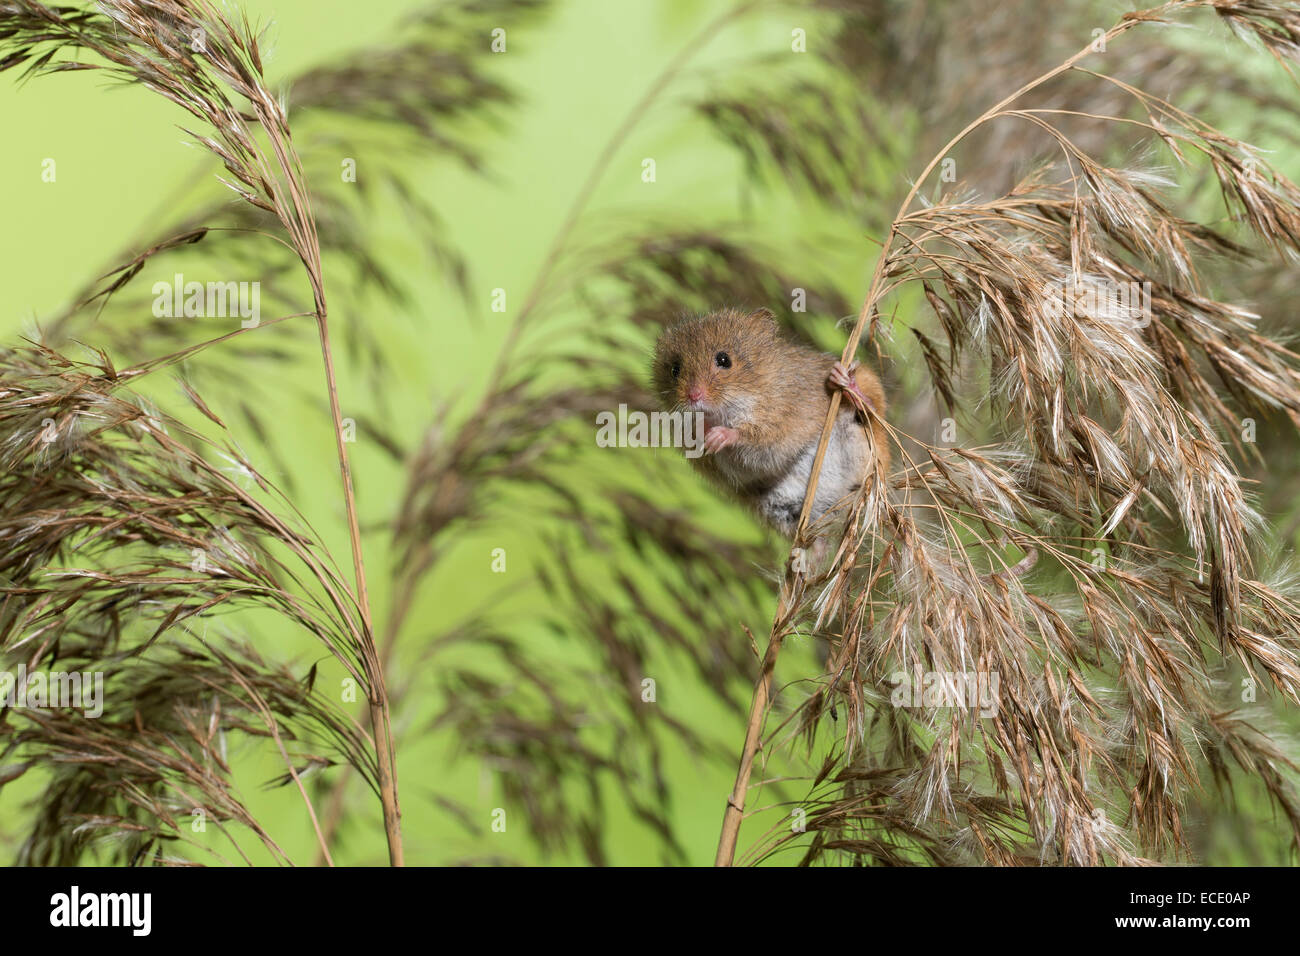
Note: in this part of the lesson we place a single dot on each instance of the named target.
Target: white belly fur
(841, 474)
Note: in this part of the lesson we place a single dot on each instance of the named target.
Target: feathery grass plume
(194, 56)
(1093, 560)
(123, 537)
(411, 100)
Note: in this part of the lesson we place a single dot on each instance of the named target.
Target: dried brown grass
(1114, 445)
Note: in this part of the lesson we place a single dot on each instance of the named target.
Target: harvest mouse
(765, 400)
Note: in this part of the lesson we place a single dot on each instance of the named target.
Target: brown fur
(775, 394)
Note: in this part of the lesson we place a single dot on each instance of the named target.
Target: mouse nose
(696, 393)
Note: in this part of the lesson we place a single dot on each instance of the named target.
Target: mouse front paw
(719, 437)
(845, 379)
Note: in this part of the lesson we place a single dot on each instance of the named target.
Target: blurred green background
(123, 168)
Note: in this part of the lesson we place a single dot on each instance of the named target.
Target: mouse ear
(764, 315)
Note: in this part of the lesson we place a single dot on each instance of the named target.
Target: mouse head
(716, 363)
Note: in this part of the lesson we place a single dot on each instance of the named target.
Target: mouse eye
(675, 369)
(723, 360)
